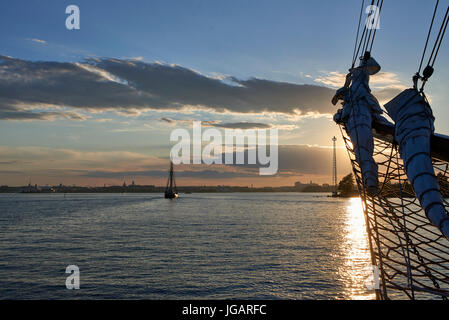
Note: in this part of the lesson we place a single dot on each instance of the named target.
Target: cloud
(168, 120)
(385, 85)
(103, 74)
(333, 79)
(381, 80)
(45, 157)
(203, 174)
(8, 162)
(243, 125)
(37, 40)
(305, 159)
(219, 124)
(386, 94)
(23, 115)
(128, 86)
(294, 160)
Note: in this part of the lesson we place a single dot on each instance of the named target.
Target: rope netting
(412, 255)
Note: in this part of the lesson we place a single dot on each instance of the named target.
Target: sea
(199, 246)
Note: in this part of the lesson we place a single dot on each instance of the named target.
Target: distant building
(298, 184)
(223, 189)
(46, 189)
(31, 189)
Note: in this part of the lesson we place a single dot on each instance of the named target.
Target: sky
(97, 105)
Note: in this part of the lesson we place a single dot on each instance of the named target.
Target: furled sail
(360, 107)
(413, 128)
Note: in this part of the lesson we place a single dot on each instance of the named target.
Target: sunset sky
(97, 105)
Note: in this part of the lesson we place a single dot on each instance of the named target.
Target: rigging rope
(428, 71)
(407, 238)
(368, 39)
(377, 23)
(412, 255)
(363, 39)
(428, 36)
(439, 38)
(360, 44)
(358, 32)
(368, 36)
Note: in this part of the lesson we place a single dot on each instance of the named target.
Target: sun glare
(357, 254)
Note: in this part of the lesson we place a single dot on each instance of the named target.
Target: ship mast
(170, 190)
(334, 168)
(171, 176)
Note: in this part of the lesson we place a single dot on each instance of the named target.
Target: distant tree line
(347, 187)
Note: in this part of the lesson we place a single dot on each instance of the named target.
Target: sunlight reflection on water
(357, 264)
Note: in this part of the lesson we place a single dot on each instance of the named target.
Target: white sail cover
(413, 128)
(359, 109)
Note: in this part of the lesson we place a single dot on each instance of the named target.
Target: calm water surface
(200, 246)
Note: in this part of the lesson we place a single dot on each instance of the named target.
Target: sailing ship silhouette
(170, 190)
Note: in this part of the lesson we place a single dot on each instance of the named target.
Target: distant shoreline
(159, 189)
(323, 193)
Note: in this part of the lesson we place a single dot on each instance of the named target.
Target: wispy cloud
(219, 124)
(381, 80)
(102, 73)
(37, 40)
(385, 85)
(26, 115)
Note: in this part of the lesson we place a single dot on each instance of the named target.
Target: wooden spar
(438, 143)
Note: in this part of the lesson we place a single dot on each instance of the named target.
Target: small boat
(170, 189)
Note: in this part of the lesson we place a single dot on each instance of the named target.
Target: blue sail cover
(359, 109)
(413, 128)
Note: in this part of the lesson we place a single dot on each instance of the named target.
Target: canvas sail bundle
(413, 128)
(359, 109)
